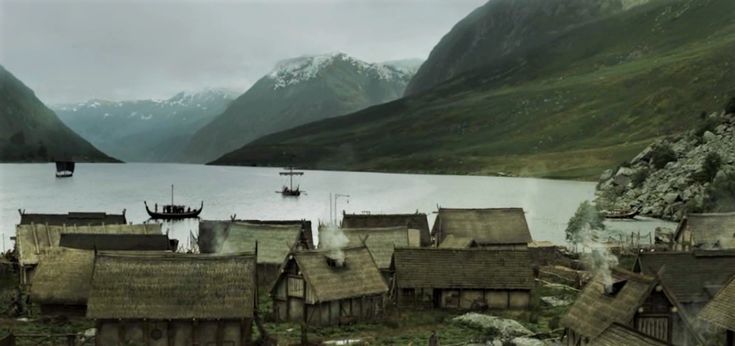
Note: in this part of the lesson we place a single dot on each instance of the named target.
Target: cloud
(76, 50)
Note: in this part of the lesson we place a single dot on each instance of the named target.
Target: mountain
(572, 107)
(507, 28)
(296, 92)
(145, 130)
(29, 131)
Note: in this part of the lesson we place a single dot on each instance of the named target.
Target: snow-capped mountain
(145, 130)
(298, 91)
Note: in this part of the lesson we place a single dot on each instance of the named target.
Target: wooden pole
(172, 194)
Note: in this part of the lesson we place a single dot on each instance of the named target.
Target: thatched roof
(417, 221)
(116, 242)
(63, 276)
(274, 241)
(710, 231)
(172, 286)
(379, 241)
(73, 218)
(212, 232)
(358, 277)
(462, 268)
(619, 335)
(31, 240)
(594, 311)
(452, 241)
(485, 226)
(692, 277)
(720, 310)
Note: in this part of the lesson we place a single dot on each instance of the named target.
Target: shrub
(720, 195)
(554, 323)
(710, 167)
(708, 124)
(639, 177)
(661, 155)
(585, 216)
(730, 106)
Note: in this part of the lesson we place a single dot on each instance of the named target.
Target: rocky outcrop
(673, 175)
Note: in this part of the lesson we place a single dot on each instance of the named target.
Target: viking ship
(64, 169)
(173, 211)
(289, 191)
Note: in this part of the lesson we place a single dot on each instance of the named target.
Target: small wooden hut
(173, 299)
(329, 288)
(274, 242)
(62, 280)
(637, 301)
(417, 223)
(720, 312)
(72, 218)
(491, 228)
(463, 278)
(33, 240)
(713, 231)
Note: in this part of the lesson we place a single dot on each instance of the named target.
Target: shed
(33, 240)
(62, 280)
(720, 311)
(329, 288)
(73, 218)
(274, 242)
(463, 278)
(173, 299)
(635, 300)
(706, 231)
(413, 221)
(621, 335)
(488, 227)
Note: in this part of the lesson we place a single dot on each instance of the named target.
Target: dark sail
(64, 168)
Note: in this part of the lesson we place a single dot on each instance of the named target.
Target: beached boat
(173, 211)
(289, 191)
(64, 169)
(621, 214)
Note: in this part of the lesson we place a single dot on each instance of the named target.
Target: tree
(586, 217)
(710, 167)
(730, 106)
(661, 155)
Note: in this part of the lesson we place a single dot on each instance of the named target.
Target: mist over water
(249, 193)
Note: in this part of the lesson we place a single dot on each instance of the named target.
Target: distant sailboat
(64, 169)
(173, 211)
(289, 191)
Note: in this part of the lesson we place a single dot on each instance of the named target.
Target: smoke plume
(333, 240)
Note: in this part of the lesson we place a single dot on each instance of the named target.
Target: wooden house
(720, 312)
(492, 228)
(210, 230)
(173, 299)
(622, 335)
(634, 300)
(73, 218)
(463, 278)
(328, 288)
(62, 280)
(33, 240)
(417, 224)
(714, 231)
(274, 242)
(380, 242)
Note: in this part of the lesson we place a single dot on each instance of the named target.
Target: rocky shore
(677, 174)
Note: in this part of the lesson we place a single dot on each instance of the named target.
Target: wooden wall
(173, 333)
(465, 299)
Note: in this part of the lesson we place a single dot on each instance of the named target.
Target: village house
(417, 223)
(714, 231)
(490, 228)
(61, 281)
(720, 312)
(329, 287)
(463, 278)
(173, 299)
(34, 239)
(380, 242)
(637, 301)
(72, 218)
(274, 242)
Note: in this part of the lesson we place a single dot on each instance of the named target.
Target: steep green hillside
(29, 131)
(296, 92)
(584, 101)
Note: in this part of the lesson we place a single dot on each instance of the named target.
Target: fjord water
(249, 193)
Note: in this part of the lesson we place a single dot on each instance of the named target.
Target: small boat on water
(621, 214)
(64, 169)
(173, 211)
(289, 191)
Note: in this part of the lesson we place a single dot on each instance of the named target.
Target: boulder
(709, 137)
(500, 327)
(607, 174)
(524, 341)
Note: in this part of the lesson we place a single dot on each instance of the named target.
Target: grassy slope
(584, 103)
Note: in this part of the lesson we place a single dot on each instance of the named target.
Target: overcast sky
(69, 51)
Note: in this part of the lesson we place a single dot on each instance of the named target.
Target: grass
(571, 109)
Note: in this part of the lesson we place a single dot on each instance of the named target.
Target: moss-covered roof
(417, 221)
(485, 226)
(721, 309)
(63, 276)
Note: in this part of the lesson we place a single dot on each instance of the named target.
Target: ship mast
(172, 194)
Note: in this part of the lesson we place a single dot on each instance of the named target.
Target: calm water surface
(249, 193)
